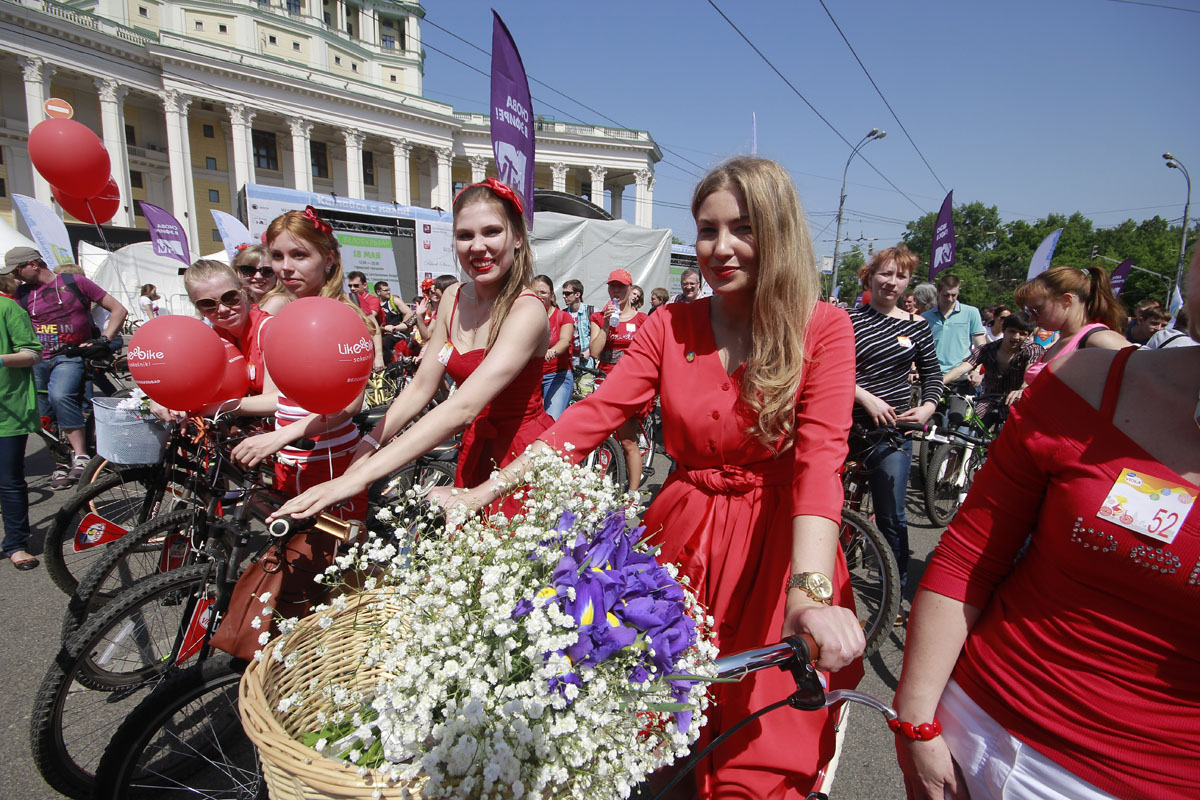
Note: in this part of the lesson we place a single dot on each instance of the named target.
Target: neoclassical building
(194, 99)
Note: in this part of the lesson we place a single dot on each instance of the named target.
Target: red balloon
(178, 361)
(95, 210)
(319, 353)
(236, 379)
(70, 156)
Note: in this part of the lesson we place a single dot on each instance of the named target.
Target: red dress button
(716, 415)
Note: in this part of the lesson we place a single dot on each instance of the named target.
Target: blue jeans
(14, 494)
(59, 382)
(889, 468)
(556, 391)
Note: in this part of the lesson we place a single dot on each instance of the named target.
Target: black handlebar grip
(280, 528)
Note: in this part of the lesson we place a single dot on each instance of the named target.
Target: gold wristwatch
(814, 584)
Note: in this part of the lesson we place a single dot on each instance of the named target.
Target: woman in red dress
(493, 344)
(756, 385)
(613, 329)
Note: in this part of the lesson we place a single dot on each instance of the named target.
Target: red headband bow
(324, 227)
(426, 285)
(500, 190)
(241, 247)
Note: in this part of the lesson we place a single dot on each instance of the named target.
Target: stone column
(112, 122)
(354, 167)
(179, 160)
(558, 172)
(401, 181)
(598, 174)
(339, 15)
(618, 195)
(301, 153)
(442, 184)
(643, 199)
(240, 118)
(37, 74)
(478, 168)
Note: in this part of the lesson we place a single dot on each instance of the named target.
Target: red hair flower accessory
(241, 247)
(324, 227)
(500, 190)
(426, 285)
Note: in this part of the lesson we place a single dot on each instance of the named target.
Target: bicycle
(144, 635)
(100, 369)
(954, 462)
(609, 456)
(874, 573)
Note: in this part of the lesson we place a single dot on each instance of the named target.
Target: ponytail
(1103, 306)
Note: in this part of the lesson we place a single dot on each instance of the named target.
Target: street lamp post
(1175, 163)
(837, 239)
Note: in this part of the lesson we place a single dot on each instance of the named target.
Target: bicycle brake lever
(853, 696)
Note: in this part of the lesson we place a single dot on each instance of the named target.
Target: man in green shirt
(19, 351)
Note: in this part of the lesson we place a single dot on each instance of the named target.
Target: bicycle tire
(135, 556)
(77, 706)
(874, 577)
(609, 458)
(184, 740)
(943, 491)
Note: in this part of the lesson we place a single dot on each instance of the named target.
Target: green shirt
(18, 396)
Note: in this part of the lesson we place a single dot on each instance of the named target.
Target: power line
(811, 107)
(1156, 5)
(879, 92)
(580, 103)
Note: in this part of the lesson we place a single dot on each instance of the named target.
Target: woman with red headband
(492, 343)
(305, 255)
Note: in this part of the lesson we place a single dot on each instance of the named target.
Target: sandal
(24, 564)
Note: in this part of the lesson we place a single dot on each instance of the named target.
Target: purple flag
(941, 254)
(166, 233)
(512, 115)
(1119, 275)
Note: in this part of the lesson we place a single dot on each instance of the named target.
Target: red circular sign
(59, 109)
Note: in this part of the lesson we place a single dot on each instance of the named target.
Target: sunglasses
(568, 294)
(248, 271)
(231, 299)
(1031, 312)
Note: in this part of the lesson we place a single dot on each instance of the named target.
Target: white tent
(123, 273)
(10, 238)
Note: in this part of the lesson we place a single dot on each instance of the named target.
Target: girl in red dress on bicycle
(492, 342)
(756, 385)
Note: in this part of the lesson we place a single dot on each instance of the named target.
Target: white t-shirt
(150, 308)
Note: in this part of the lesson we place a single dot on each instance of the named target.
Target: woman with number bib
(492, 343)
(756, 384)
(1054, 644)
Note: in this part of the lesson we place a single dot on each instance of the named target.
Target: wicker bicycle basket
(294, 771)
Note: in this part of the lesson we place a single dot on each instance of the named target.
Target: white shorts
(998, 765)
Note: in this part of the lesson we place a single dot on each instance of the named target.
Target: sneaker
(78, 466)
(61, 479)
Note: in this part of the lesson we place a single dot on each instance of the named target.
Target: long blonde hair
(301, 225)
(784, 297)
(520, 277)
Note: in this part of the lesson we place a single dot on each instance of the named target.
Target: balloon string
(104, 240)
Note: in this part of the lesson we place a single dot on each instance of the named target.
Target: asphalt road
(31, 610)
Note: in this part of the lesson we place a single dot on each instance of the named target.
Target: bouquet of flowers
(546, 655)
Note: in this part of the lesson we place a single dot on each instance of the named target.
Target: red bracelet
(922, 733)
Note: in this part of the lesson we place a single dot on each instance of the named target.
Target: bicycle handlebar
(798, 649)
(342, 530)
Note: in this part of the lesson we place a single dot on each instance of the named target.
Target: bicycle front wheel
(951, 473)
(184, 740)
(874, 577)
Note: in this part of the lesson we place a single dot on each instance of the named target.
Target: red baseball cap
(620, 276)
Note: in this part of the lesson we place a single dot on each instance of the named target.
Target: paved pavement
(31, 612)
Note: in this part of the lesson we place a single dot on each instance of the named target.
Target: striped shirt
(339, 441)
(885, 348)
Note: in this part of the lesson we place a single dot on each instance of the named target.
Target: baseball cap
(21, 255)
(620, 276)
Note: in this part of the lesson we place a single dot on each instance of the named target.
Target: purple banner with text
(941, 254)
(1119, 275)
(166, 233)
(512, 117)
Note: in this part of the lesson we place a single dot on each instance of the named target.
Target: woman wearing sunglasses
(1079, 304)
(223, 302)
(259, 278)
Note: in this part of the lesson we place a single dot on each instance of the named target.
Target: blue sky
(1035, 107)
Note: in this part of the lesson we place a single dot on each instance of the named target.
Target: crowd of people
(1054, 611)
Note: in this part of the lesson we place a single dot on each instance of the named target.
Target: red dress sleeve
(977, 551)
(632, 384)
(823, 409)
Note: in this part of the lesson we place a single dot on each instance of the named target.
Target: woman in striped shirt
(305, 255)
(887, 342)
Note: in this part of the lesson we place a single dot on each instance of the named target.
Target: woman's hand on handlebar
(319, 498)
(837, 631)
(250, 452)
(882, 414)
(929, 770)
(920, 415)
(165, 414)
